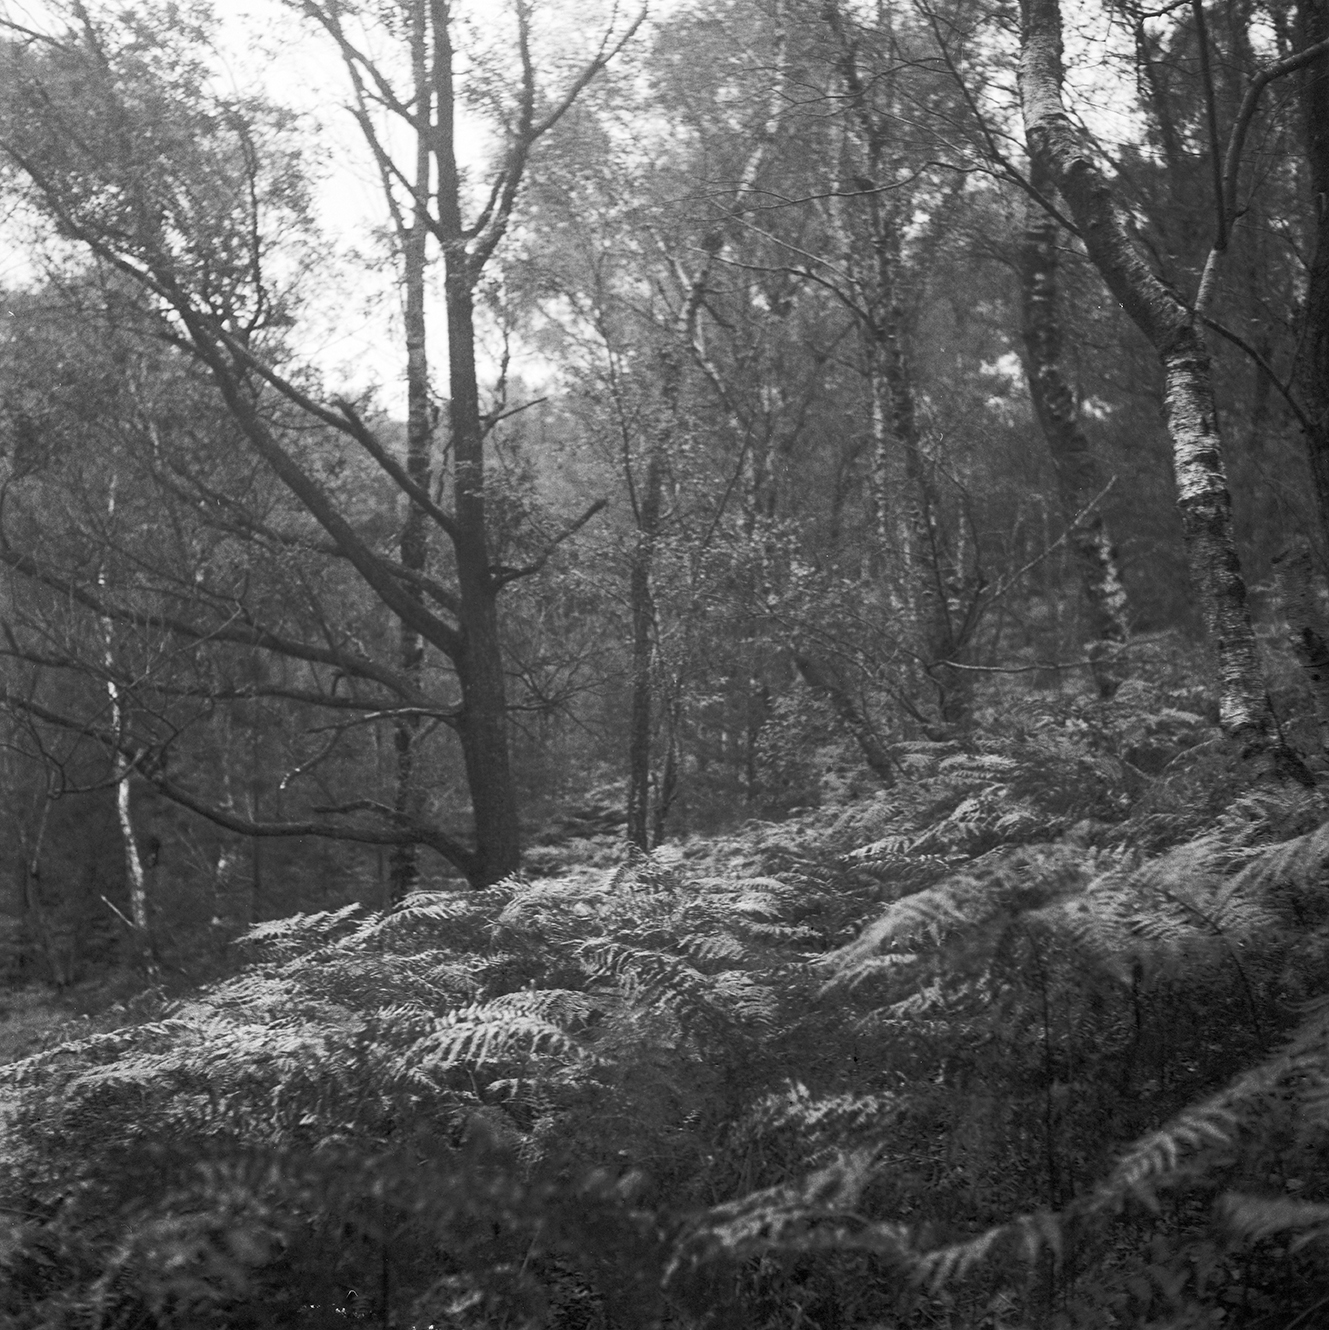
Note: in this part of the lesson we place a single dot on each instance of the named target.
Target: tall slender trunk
(930, 569)
(668, 789)
(135, 878)
(643, 647)
(232, 890)
(1078, 476)
(482, 724)
(1202, 492)
(929, 572)
(1311, 372)
(414, 545)
(483, 720)
(1294, 570)
(34, 906)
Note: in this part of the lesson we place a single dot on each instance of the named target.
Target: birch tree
(1079, 477)
(1174, 326)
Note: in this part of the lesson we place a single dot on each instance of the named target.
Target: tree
(1174, 327)
(115, 139)
(1311, 366)
(1079, 476)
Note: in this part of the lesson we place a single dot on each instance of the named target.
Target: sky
(353, 334)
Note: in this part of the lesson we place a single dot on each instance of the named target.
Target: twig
(119, 914)
(1255, 355)
(502, 576)
(1006, 583)
(1227, 200)
(1018, 669)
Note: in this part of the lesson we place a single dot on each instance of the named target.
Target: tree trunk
(846, 706)
(135, 878)
(928, 568)
(1311, 371)
(668, 791)
(1078, 477)
(483, 721)
(643, 637)
(1203, 498)
(34, 907)
(1308, 632)
(414, 546)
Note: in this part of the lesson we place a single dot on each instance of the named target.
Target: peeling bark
(1173, 331)
(1079, 478)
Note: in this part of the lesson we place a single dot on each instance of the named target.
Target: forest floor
(1037, 1039)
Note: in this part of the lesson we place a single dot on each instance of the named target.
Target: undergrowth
(1037, 1038)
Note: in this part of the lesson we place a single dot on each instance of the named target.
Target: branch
(409, 831)
(86, 728)
(579, 84)
(417, 494)
(1227, 202)
(492, 224)
(368, 709)
(502, 576)
(1255, 355)
(1006, 583)
(1211, 115)
(493, 418)
(1020, 669)
(242, 631)
(373, 569)
(1246, 113)
(989, 138)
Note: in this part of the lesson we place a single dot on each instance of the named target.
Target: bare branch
(419, 496)
(502, 576)
(238, 630)
(1302, 418)
(1227, 185)
(408, 831)
(1011, 579)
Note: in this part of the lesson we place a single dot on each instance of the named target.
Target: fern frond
(978, 767)
(1209, 1124)
(1022, 882)
(484, 1034)
(943, 1265)
(815, 1212)
(1255, 1217)
(299, 932)
(795, 1107)
(1288, 871)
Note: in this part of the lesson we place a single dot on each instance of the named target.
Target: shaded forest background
(774, 776)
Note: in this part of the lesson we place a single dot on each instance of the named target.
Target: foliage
(887, 1062)
(1004, 1007)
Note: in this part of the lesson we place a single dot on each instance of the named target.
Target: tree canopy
(762, 759)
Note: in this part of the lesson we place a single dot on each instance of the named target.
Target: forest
(664, 668)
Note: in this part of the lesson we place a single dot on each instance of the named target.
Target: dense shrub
(1033, 1039)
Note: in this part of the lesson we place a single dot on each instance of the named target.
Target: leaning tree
(112, 134)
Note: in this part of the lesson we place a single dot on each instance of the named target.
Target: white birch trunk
(1174, 332)
(135, 877)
